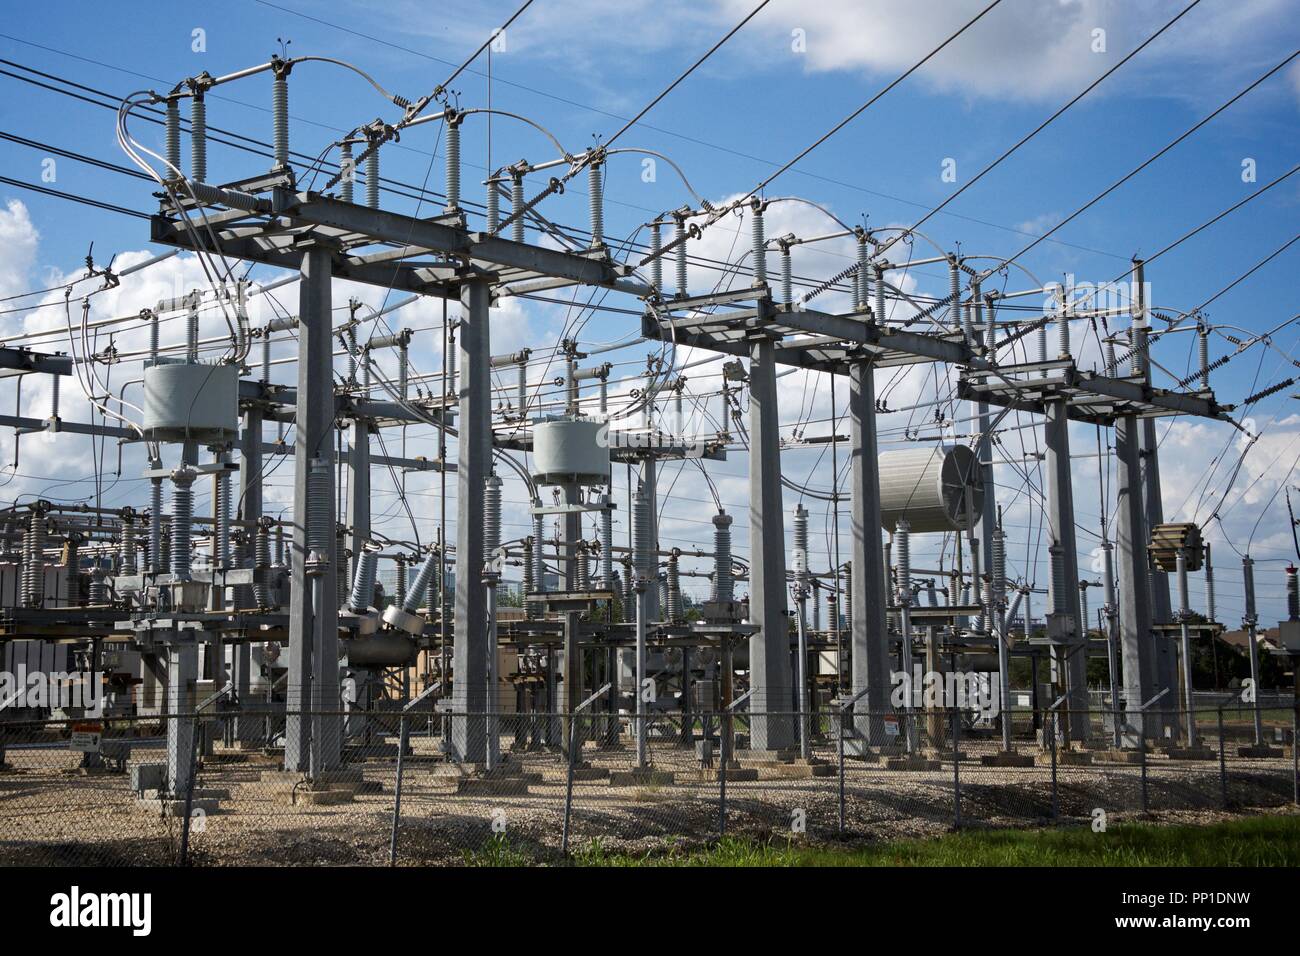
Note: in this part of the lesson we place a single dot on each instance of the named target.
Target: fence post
(1056, 802)
(1295, 752)
(839, 750)
(189, 789)
(1142, 751)
(956, 769)
(723, 763)
(402, 737)
(1223, 763)
(568, 783)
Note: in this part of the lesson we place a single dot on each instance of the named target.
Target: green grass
(1255, 841)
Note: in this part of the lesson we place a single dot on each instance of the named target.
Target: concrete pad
(911, 763)
(318, 798)
(642, 778)
(176, 808)
(1007, 758)
(1262, 752)
(1065, 758)
(1133, 757)
(1191, 753)
(492, 786)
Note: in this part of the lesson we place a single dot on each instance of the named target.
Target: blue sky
(581, 67)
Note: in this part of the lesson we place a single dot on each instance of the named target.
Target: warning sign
(86, 737)
(891, 726)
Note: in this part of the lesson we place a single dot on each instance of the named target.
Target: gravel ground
(52, 813)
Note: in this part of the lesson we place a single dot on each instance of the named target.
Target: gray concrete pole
(250, 493)
(473, 463)
(313, 638)
(1060, 503)
(358, 493)
(1165, 657)
(769, 649)
(870, 635)
(650, 488)
(1137, 652)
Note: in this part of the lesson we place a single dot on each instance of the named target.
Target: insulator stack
(363, 581)
(198, 139)
(415, 596)
(582, 566)
(606, 544)
(629, 593)
(172, 137)
(657, 259)
(998, 560)
(679, 237)
(903, 555)
(878, 302)
(596, 204)
(674, 581)
(787, 276)
(801, 547)
(372, 176)
(182, 523)
(517, 203)
(816, 609)
(968, 324)
(642, 546)
(320, 509)
(192, 329)
(491, 516)
(530, 580)
(72, 569)
(1203, 346)
(1292, 594)
(340, 565)
(54, 396)
(847, 600)
(127, 552)
(97, 594)
(1083, 606)
(221, 524)
(400, 582)
(861, 275)
(723, 583)
(1248, 579)
(165, 547)
(280, 118)
(661, 585)
(832, 612)
(1063, 330)
(1211, 611)
(1110, 356)
(261, 565)
(266, 356)
(453, 164)
(1060, 586)
(347, 165)
(33, 576)
(153, 337)
(493, 214)
(954, 293)
(759, 236)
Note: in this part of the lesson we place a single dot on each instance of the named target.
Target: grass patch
(1255, 841)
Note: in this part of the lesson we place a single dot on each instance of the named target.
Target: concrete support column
(358, 494)
(769, 649)
(312, 743)
(650, 488)
(1060, 503)
(869, 638)
(1136, 644)
(250, 493)
(182, 671)
(473, 463)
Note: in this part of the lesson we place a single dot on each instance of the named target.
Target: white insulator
(348, 168)
(723, 581)
(679, 237)
(787, 276)
(491, 515)
(372, 176)
(903, 555)
(759, 245)
(198, 138)
(280, 119)
(954, 293)
(1063, 332)
(363, 581)
(606, 545)
(172, 137)
(415, 596)
(517, 203)
(98, 593)
(182, 523)
(596, 204)
(127, 554)
(862, 277)
(656, 257)
(320, 508)
(674, 582)
(453, 164)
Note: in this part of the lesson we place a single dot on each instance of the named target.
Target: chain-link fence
(425, 787)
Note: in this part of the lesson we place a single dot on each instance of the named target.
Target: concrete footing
(911, 763)
(642, 777)
(1260, 752)
(1007, 758)
(1065, 758)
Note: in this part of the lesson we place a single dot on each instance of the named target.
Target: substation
(275, 624)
